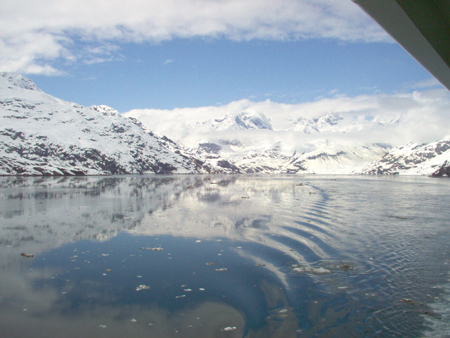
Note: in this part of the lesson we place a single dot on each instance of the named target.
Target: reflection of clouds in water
(250, 209)
(44, 213)
(269, 266)
(205, 320)
(28, 307)
(19, 294)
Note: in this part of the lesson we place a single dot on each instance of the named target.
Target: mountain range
(43, 135)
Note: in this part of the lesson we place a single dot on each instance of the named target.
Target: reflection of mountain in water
(247, 209)
(43, 213)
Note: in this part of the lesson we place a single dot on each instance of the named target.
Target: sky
(172, 54)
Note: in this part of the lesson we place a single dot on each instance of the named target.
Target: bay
(224, 256)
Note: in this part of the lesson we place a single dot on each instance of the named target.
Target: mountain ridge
(44, 135)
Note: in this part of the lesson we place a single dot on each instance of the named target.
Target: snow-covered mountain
(316, 125)
(341, 160)
(414, 159)
(332, 136)
(43, 135)
(241, 121)
(323, 144)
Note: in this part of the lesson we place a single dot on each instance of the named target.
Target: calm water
(225, 256)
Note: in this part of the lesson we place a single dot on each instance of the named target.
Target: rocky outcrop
(413, 159)
(444, 170)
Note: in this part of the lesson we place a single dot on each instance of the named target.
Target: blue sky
(174, 54)
(192, 73)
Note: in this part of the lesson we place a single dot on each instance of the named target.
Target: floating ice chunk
(142, 287)
(182, 296)
(308, 269)
(229, 328)
(133, 320)
(221, 269)
(201, 289)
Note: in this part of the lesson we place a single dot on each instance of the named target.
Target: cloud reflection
(50, 216)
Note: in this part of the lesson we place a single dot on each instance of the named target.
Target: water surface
(224, 256)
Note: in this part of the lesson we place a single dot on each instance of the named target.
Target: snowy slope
(40, 134)
(414, 159)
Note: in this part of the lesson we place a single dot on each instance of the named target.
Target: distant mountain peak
(105, 110)
(330, 119)
(316, 125)
(19, 81)
(242, 121)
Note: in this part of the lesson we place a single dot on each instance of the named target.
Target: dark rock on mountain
(442, 171)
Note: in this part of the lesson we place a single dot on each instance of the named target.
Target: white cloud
(100, 54)
(423, 117)
(30, 52)
(432, 82)
(168, 61)
(33, 33)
